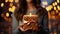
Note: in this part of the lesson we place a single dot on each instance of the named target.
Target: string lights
(55, 5)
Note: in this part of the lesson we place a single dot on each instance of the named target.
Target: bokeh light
(7, 14)
(16, 1)
(55, 3)
(11, 0)
(6, 0)
(58, 1)
(12, 9)
(58, 7)
(11, 4)
(49, 7)
(9, 9)
(54, 8)
(2, 4)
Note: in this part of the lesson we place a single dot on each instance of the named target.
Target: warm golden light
(9, 9)
(58, 7)
(30, 14)
(56, 11)
(54, 8)
(7, 14)
(2, 4)
(12, 9)
(49, 7)
(11, 0)
(49, 15)
(58, 1)
(16, 1)
(55, 33)
(11, 4)
(53, 12)
(6, 0)
(55, 3)
(53, 17)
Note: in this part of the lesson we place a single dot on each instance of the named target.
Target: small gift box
(30, 22)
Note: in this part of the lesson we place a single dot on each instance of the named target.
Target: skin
(28, 1)
(30, 5)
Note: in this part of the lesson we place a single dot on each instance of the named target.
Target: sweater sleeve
(15, 25)
(45, 22)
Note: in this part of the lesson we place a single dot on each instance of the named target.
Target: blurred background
(7, 8)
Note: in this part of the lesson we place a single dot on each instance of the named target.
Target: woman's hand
(22, 26)
(26, 25)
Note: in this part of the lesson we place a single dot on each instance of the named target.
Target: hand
(22, 27)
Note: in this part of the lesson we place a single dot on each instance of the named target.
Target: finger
(23, 29)
(25, 21)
